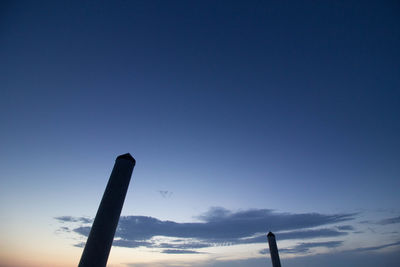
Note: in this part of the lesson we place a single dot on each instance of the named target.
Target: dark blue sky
(219, 101)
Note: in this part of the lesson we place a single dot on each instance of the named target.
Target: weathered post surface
(273, 249)
(101, 235)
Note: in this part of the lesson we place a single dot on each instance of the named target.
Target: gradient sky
(243, 117)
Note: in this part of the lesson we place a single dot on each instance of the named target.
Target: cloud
(218, 227)
(390, 221)
(292, 235)
(305, 247)
(307, 234)
(179, 251)
(183, 244)
(131, 243)
(345, 227)
(266, 218)
(63, 229)
(83, 230)
(376, 247)
(80, 245)
(74, 219)
(386, 221)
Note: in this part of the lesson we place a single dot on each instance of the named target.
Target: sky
(243, 116)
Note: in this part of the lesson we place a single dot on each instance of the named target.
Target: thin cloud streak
(305, 247)
(179, 251)
(74, 219)
(390, 221)
(373, 248)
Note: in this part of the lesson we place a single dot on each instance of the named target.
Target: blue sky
(256, 111)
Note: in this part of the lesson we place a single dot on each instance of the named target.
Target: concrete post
(101, 235)
(273, 249)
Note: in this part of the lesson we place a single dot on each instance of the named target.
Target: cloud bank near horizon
(219, 227)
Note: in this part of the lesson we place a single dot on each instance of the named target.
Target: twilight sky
(243, 117)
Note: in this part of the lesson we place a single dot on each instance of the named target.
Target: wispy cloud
(179, 251)
(345, 227)
(74, 219)
(218, 227)
(389, 221)
(386, 221)
(312, 233)
(80, 245)
(305, 247)
(376, 247)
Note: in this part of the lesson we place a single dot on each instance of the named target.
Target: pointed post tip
(127, 156)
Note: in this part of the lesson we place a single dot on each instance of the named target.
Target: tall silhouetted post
(101, 235)
(273, 249)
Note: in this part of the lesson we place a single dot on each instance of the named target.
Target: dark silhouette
(101, 235)
(273, 249)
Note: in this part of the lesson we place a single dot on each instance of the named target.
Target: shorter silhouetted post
(273, 249)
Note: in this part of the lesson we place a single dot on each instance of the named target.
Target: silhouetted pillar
(101, 235)
(273, 249)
